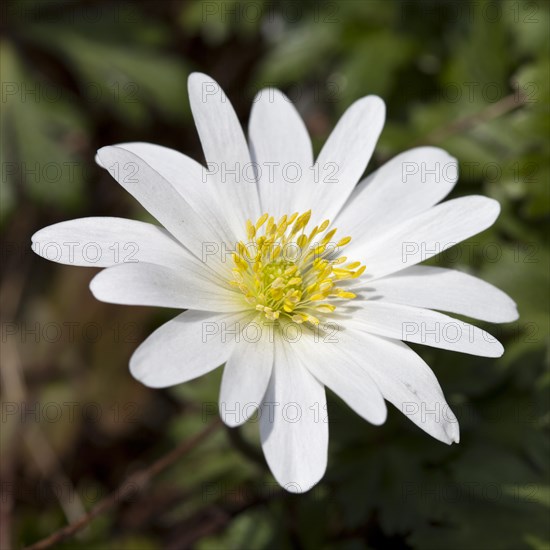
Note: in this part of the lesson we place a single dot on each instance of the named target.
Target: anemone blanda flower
(249, 248)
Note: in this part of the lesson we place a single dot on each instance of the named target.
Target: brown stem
(249, 451)
(132, 485)
(501, 107)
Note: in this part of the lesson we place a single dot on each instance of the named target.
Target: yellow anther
(323, 226)
(281, 229)
(250, 229)
(299, 318)
(301, 241)
(278, 283)
(329, 236)
(344, 241)
(261, 220)
(327, 284)
(348, 295)
(325, 308)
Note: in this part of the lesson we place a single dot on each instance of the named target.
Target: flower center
(283, 270)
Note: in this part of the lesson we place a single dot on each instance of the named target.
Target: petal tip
(297, 488)
(96, 286)
(513, 314)
(102, 154)
(378, 105)
(381, 418)
(143, 376)
(197, 75)
(375, 100)
(36, 235)
(452, 431)
(493, 206)
(230, 418)
(197, 78)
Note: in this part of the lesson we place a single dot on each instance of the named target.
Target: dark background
(471, 77)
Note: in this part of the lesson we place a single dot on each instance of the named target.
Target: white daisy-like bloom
(294, 274)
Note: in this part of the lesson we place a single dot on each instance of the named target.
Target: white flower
(288, 313)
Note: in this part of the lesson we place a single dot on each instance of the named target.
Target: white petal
(189, 178)
(424, 235)
(407, 382)
(281, 147)
(423, 326)
(103, 242)
(345, 155)
(405, 186)
(143, 284)
(188, 346)
(225, 149)
(160, 198)
(329, 362)
(246, 374)
(294, 424)
(446, 290)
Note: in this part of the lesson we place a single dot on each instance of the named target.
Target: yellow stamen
(283, 270)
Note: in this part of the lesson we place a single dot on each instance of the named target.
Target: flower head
(293, 275)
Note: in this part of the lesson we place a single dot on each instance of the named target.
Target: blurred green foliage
(471, 77)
